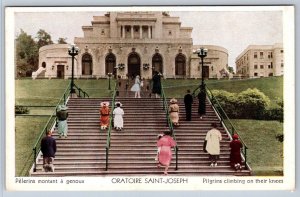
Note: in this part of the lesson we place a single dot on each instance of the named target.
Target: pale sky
(233, 30)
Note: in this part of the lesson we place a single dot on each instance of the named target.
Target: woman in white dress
(118, 117)
(212, 144)
(136, 87)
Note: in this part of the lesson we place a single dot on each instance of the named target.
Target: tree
(62, 41)
(43, 38)
(230, 69)
(26, 54)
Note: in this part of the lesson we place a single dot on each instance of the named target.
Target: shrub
(249, 104)
(275, 113)
(252, 103)
(21, 110)
(227, 101)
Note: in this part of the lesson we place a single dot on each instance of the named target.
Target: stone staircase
(133, 149)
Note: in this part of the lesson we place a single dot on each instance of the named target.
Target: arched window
(44, 64)
(87, 64)
(110, 64)
(157, 63)
(180, 65)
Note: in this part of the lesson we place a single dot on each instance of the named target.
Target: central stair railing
(110, 127)
(169, 123)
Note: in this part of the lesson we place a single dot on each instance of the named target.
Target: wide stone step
(130, 151)
(152, 167)
(181, 172)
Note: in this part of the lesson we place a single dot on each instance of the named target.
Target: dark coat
(48, 146)
(188, 100)
(202, 105)
(235, 153)
(156, 86)
(62, 115)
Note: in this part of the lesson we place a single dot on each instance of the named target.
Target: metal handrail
(80, 90)
(51, 122)
(170, 124)
(110, 127)
(226, 121)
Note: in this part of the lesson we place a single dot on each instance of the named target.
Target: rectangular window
(269, 66)
(255, 54)
(261, 66)
(261, 55)
(255, 74)
(281, 51)
(255, 66)
(269, 55)
(282, 65)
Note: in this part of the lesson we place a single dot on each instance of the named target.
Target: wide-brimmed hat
(104, 103)
(173, 100)
(160, 135)
(118, 103)
(61, 107)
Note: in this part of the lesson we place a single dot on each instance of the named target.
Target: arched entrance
(157, 63)
(110, 64)
(134, 65)
(87, 64)
(180, 65)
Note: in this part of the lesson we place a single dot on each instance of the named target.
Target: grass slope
(265, 153)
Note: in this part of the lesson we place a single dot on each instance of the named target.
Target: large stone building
(260, 61)
(132, 43)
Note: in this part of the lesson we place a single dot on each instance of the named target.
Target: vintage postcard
(150, 98)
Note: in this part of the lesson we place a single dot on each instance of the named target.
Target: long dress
(213, 138)
(136, 87)
(235, 153)
(202, 105)
(118, 117)
(188, 101)
(174, 112)
(165, 154)
(156, 86)
(104, 119)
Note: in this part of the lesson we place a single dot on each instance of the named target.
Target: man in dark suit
(188, 101)
(48, 148)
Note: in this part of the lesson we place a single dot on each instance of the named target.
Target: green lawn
(27, 131)
(265, 153)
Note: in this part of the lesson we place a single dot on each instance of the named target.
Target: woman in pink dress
(165, 144)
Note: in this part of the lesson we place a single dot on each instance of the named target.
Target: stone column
(123, 31)
(149, 33)
(141, 32)
(131, 31)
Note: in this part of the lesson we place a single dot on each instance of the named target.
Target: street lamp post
(73, 51)
(202, 53)
(109, 76)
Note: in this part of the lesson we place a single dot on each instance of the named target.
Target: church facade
(127, 44)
